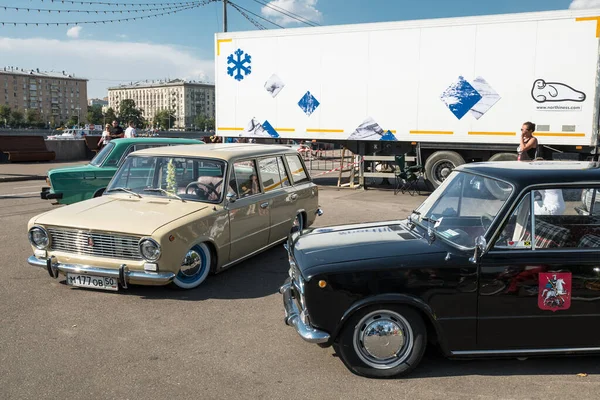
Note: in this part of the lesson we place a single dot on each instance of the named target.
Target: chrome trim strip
(145, 277)
(292, 318)
(525, 351)
(230, 264)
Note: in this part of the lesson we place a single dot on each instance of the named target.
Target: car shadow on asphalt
(435, 365)
(259, 276)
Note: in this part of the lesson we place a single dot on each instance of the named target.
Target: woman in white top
(105, 137)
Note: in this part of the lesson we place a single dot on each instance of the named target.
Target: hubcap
(442, 169)
(192, 264)
(383, 339)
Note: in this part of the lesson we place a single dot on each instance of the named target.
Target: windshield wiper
(161, 190)
(122, 189)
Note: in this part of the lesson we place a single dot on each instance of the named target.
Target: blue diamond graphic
(270, 130)
(388, 136)
(308, 103)
(460, 97)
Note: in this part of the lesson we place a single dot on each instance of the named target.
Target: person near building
(116, 131)
(105, 138)
(130, 132)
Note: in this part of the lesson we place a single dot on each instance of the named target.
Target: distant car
(175, 214)
(503, 259)
(72, 184)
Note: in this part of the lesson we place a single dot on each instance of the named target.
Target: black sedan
(503, 259)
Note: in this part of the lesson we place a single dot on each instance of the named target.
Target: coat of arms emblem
(554, 291)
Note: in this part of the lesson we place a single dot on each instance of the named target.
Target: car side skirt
(524, 351)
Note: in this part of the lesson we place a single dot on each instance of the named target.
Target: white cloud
(578, 4)
(109, 64)
(74, 32)
(306, 9)
(122, 36)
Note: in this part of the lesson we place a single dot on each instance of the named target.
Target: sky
(181, 45)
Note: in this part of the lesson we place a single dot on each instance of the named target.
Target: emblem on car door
(554, 291)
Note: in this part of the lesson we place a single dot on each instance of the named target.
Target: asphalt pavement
(224, 340)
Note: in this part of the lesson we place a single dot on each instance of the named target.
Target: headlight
(39, 237)
(149, 249)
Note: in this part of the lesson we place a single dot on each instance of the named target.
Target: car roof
(225, 151)
(526, 173)
(125, 141)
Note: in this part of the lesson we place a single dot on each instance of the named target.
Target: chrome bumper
(123, 274)
(292, 317)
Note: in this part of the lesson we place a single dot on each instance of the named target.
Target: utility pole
(224, 15)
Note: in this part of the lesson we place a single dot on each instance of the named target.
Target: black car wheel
(382, 341)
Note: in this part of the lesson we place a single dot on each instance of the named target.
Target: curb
(22, 178)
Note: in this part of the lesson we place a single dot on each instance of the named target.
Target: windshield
(102, 154)
(463, 207)
(194, 179)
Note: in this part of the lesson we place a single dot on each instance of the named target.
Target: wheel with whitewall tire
(382, 341)
(195, 267)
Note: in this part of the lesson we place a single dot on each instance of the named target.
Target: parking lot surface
(224, 340)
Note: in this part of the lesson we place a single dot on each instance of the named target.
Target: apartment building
(186, 99)
(56, 95)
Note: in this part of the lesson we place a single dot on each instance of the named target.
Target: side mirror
(231, 198)
(480, 246)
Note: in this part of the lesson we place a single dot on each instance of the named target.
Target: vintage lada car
(503, 259)
(72, 184)
(176, 214)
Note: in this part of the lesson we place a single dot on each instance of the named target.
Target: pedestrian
(105, 138)
(527, 149)
(116, 131)
(130, 132)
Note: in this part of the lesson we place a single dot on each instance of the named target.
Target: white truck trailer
(449, 91)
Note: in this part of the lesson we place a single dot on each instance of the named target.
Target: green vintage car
(73, 184)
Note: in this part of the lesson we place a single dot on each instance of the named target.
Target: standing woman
(105, 137)
(528, 147)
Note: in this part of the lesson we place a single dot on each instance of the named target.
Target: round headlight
(149, 249)
(39, 237)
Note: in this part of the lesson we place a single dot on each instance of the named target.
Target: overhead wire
(118, 4)
(253, 21)
(288, 13)
(67, 11)
(141, 17)
(240, 8)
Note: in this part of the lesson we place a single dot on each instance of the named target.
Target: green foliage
(110, 115)
(72, 121)
(129, 112)
(4, 114)
(171, 177)
(16, 118)
(204, 123)
(164, 119)
(94, 115)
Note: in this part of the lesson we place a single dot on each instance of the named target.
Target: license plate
(93, 282)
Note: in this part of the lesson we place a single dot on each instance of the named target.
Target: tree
(110, 115)
(128, 112)
(16, 118)
(5, 114)
(204, 123)
(33, 117)
(94, 115)
(165, 119)
(72, 121)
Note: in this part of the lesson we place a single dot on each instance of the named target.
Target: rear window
(296, 168)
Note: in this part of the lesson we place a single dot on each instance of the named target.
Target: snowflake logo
(239, 65)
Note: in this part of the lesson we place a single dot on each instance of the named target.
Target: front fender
(393, 298)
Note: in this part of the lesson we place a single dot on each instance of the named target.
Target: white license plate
(93, 282)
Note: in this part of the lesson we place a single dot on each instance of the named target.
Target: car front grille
(95, 244)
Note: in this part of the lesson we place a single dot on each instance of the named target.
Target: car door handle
(264, 205)
(294, 196)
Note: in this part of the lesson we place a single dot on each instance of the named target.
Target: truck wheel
(497, 191)
(382, 341)
(439, 165)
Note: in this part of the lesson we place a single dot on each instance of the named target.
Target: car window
(102, 154)
(271, 176)
(296, 169)
(246, 178)
(562, 218)
(515, 229)
(285, 180)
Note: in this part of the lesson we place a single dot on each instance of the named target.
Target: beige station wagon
(175, 214)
